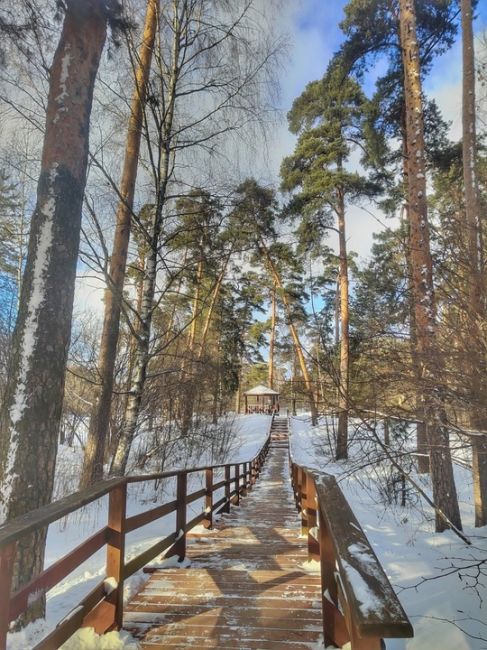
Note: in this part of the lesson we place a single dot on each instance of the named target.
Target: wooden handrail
(102, 608)
(359, 604)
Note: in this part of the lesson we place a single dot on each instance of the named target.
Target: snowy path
(247, 587)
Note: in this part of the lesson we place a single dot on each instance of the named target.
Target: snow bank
(249, 434)
(87, 639)
(434, 575)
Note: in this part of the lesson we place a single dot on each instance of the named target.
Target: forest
(202, 197)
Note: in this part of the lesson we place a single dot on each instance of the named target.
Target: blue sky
(313, 26)
(313, 29)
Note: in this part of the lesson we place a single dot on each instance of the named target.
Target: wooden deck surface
(248, 586)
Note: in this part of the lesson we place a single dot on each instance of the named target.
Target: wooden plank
(51, 576)
(208, 523)
(73, 621)
(148, 555)
(179, 547)
(7, 559)
(275, 607)
(136, 521)
(357, 561)
(113, 609)
(42, 517)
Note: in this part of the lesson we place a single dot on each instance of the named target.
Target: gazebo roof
(261, 390)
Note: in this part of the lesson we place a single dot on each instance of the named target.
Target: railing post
(313, 543)
(208, 520)
(244, 486)
(226, 507)
(334, 628)
(297, 486)
(117, 507)
(303, 502)
(237, 484)
(179, 548)
(7, 558)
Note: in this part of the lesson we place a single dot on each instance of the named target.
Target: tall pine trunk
(343, 388)
(188, 368)
(100, 415)
(476, 315)
(142, 356)
(272, 341)
(31, 408)
(430, 364)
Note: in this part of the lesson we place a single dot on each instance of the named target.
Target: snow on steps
(247, 586)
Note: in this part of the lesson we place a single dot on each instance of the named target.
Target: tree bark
(188, 368)
(31, 408)
(120, 458)
(272, 341)
(100, 415)
(343, 388)
(476, 311)
(444, 489)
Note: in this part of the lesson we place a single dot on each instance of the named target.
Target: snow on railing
(102, 608)
(358, 602)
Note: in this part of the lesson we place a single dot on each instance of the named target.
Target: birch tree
(100, 416)
(31, 408)
(208, 80)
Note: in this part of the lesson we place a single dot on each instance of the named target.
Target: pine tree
(476, 282)
(99, 421)
(330, 118)
(444, 490)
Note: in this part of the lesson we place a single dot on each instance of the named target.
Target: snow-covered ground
(248, 436)
(435, 575)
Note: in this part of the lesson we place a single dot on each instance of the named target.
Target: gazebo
(261, 399)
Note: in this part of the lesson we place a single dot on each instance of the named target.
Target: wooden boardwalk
(248, 586)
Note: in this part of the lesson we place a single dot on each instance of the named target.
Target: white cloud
(88, 295)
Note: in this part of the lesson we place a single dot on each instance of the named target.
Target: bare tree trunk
(100, 415)
(444, 489)
(189, 392)
(120, 458)
(188, 367)
(238, 396)
(476, 312)
(342, 434)
(31, 408)
(272, 341)
(337, 312)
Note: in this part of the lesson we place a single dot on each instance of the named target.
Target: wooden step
(246, 587)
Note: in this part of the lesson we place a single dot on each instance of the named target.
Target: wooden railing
(102, 608)
(359, 604)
